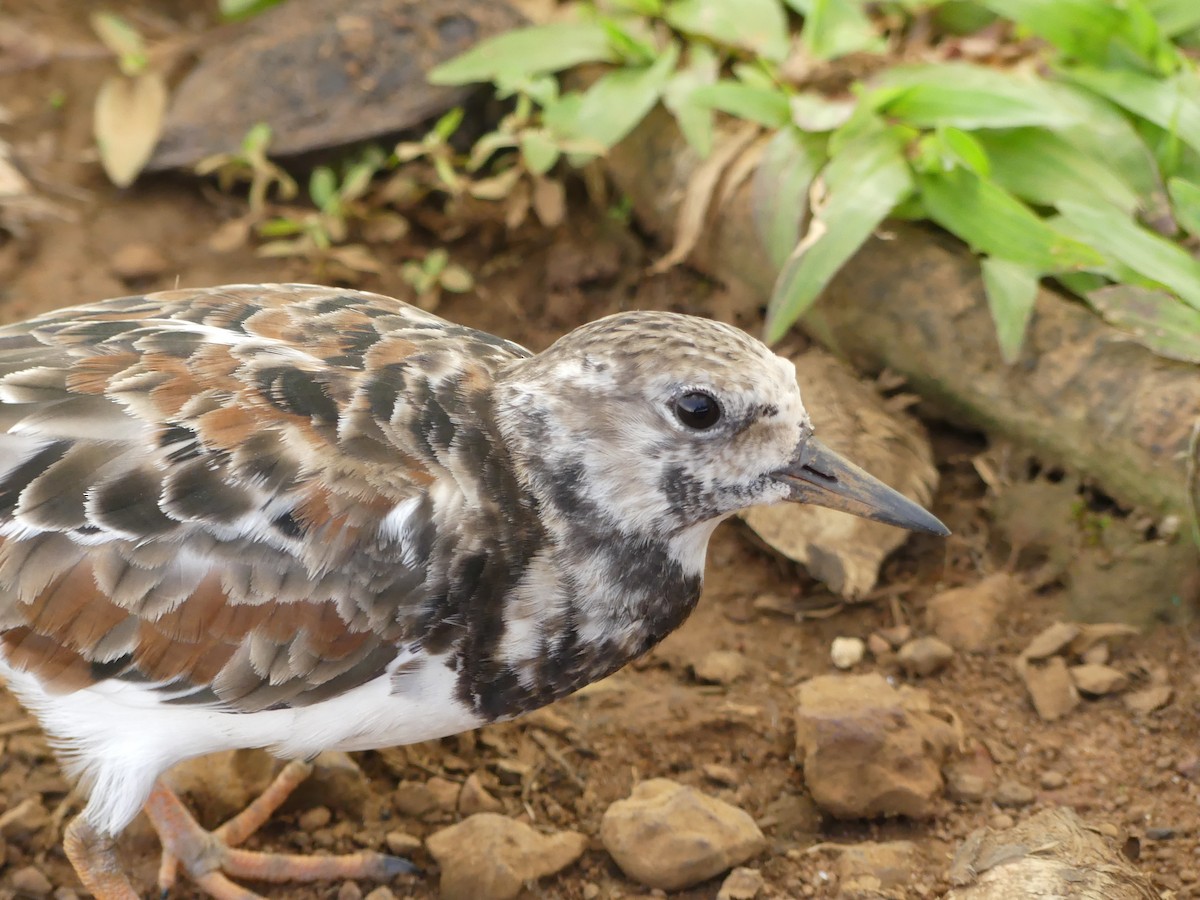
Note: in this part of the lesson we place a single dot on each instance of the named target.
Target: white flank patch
(118, 737)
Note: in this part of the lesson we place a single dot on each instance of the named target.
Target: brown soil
(653, 719)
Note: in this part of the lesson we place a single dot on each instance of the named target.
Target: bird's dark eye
(698, 410)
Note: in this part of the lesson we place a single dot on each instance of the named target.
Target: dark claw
(398, 865)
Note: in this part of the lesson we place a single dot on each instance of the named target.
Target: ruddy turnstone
(303, 518)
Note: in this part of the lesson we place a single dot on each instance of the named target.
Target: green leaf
(1084, 29)
(779, 189)
(1155, 319)
(1170, 103)
(755, 25)
(814, 112)
(964, 149)
(1011, 290)
(235, 10)
(1175, 17)
(539, 151)
(866, 180)
(1185, 202)
(694, 119)
(123, 40)
(970, 97)
(1144, 251)
(834, 28)
(769, 108)
(1043, 168)
(619, 100)
(995, 223)
(322, 187)
(528, 51)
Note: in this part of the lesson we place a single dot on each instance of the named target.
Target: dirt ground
(1137, 773)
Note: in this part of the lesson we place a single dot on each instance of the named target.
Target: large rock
(669, 836)
(490, 857)
(844, 551)
(968, 617)
(870, 749)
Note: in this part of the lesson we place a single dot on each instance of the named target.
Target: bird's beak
(820, 476)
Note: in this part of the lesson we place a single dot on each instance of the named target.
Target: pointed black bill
(818, 475)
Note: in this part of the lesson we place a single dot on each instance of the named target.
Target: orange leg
(209, 857)
(95, 860)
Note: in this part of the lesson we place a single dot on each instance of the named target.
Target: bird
(304, 518)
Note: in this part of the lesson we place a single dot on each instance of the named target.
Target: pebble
(401, 843)
(30, 882)
(312, 819)
(591, 890)
(1098, 680)
(445, 792)
(925, 656)
(1161, 833)
(1148, 699)
(475, 798)
(897, 635)
(381, 893)
(967, 618)
(491, 857)
(842, 720)
(414, 799)
(720, 667)
(669, 836)
(137, 262)
(1013, 794)
(26, 818)
(1096, 655)
(349, 891)
(741, 884)
(719, 774)
(964, 786)
(877, 867)
(1001, 821)
(878, 644)
(1052, 780)
(1050, 687)
(847, 652)
(513, 771)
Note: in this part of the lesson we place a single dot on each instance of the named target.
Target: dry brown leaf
(516, 208)
(128, 119)
(699, 193)
(549, 201)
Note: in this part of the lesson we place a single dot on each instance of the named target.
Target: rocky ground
(782, 743)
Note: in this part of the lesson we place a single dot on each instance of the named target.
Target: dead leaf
(128, 120)
(549, 201)
(517, 208)
(699, 193)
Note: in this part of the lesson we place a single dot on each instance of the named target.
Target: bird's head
(661, 423)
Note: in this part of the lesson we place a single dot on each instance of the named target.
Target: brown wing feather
(194, 488)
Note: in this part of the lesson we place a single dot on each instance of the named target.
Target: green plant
(1075, 156)
(341, 201)
(434, 274)
(251, 165)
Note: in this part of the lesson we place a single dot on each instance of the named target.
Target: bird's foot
(210, 857)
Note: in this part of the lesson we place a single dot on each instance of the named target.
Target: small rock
(878, 644)
(891, 863)
(720, 667)
(415, 800)
(349, 891)
(30, 882)
(26, 818)
(847, 652)
(965, 786)
(741, 884)
(1050, 687)
(445, 792)
(1096, 655)
(1098, 680)
(1013, 794)
(137, 262)
(1052, 780)
(669, 836)
(548, 720)
(591, 890)
(474, 798)
(381, 893)
(924, 656)
(312, 819)
(401, 843)
(719, 774)
(337, 782)
(1051, 640)
(65, 893)
(512, 771)
(1148, 699)
(897, 635)
(967, 618)
(490, 857)
(1001, 820)
(868, 748)
(775, 604)
(1161, 833)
